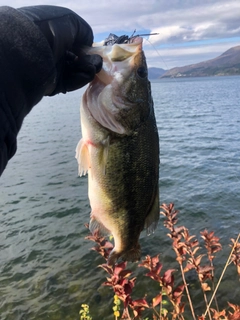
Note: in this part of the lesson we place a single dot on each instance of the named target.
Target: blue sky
(189, 31)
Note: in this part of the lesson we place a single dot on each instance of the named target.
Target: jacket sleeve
(27, 73)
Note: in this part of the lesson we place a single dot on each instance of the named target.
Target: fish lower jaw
(133, 255)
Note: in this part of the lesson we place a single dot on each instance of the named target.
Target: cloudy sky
(190, 31)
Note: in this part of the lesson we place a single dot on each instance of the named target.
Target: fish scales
(120, 149)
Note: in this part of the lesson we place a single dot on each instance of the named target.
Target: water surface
(47, 267)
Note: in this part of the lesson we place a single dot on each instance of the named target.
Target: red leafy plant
(188, 256)
(166, 282)
(119, 279)
(236, 255)
(187, 248)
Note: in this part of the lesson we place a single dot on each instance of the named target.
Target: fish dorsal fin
(83, 158)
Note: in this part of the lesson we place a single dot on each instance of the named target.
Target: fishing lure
(112, 38)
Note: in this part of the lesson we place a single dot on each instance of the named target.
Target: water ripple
(47, 267)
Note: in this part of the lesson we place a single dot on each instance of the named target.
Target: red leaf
(205, 287)
(107, 268)
(218, 314)
(168, 277)
(128, 288)
(205, 269)
(153, 276)
(119, 267)
(146, 263)
(179, 229)
(132, 281)
(157, 300)
(178, 291)
(188, 267)
(198, 259)
(107, 283)
(158, 268)
(122, 282)
(155, 260)
(125, 273)
(140, 303)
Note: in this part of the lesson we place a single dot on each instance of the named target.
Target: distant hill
(155, 73)
(226, 64)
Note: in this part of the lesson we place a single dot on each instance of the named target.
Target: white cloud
(178, 23)
(171, 57)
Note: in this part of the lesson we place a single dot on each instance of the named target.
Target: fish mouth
(108, 92)
(116, 58)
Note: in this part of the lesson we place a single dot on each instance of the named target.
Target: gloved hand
(67, 34)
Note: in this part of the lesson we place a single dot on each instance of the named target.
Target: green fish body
(120, 149)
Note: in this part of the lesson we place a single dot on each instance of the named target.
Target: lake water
(47, 267)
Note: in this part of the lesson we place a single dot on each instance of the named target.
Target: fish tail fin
(97, 228)
(152, 218)
(132, 255)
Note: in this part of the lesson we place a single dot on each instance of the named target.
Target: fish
(119, 149)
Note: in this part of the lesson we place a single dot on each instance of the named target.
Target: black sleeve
(67, 34)
(27, 72)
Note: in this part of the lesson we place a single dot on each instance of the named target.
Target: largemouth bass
(120, 149)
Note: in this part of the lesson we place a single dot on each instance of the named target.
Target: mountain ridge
(228, 63)
(155, 73)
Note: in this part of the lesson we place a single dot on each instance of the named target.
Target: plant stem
(127, 313)
(206, 302)
(159, 315)
(220, 279)
(213, 285)
(160, 307)
(187, 291)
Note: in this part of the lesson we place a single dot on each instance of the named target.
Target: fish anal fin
(83, 158)
(152, 218)
(97, 228)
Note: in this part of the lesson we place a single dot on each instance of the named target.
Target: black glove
(67, 34)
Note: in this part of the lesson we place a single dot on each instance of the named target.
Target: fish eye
(142, 72)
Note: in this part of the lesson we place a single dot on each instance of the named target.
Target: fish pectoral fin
(83, 158)
(104, 154)
(152, 218)
(97, 228)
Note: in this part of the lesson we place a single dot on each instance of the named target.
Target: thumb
(82, 71)
(89, 61)
(78, 72)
